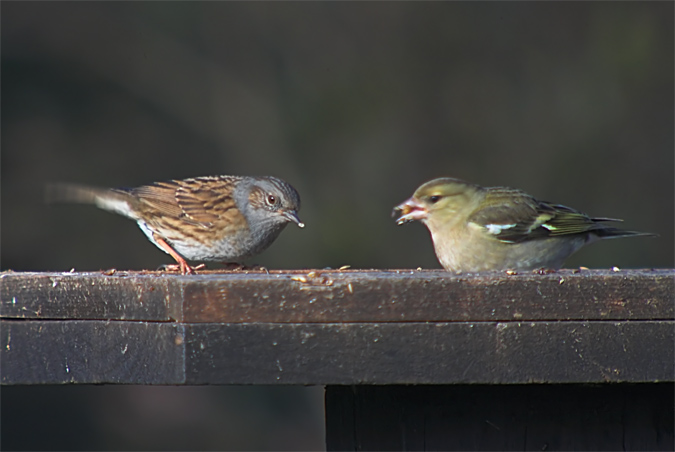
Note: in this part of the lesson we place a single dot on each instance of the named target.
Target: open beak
(409, 210)
(293, 216)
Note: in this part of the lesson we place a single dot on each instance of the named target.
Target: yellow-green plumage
(476, 228)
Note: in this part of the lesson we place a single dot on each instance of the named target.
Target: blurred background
(355, 104)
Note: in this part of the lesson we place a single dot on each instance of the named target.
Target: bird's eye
(434, 199)
(271, 200)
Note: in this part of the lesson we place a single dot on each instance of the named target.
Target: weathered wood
(92, 296)
(426, 353)
(56, 352)
(489, 417)
(495, 331)
(341, 296)
(336, 327)
(60, 351)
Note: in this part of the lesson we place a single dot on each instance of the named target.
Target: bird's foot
(183, 268)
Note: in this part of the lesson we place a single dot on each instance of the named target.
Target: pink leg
(185, 269)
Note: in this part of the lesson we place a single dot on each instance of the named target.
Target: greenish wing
(513, 216)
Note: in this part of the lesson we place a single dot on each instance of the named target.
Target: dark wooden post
(501, 417)
(411, 359)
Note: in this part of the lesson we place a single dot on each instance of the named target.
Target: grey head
(268, 204)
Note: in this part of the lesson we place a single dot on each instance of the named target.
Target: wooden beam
(341, 296)
(354, 327)
(78, 351)
(511, 417)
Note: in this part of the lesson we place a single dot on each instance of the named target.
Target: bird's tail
(116, 201)
(608, 232)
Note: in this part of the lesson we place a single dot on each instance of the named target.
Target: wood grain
(341, 296)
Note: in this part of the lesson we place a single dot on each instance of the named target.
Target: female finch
(497, 228)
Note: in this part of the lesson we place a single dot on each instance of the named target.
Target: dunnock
(212, 218)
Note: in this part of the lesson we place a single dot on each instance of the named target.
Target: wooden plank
(342, 296)
(372, 327)
(90, 296)
(55, 352)
(512, 417)
(430, 353)
(403, 296)
(340, 411)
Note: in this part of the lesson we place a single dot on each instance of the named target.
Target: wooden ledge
(338, 327)
(321, 296)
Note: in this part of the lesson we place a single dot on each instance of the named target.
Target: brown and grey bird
(212, 218)
(475, 228)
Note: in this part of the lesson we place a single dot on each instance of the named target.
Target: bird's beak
(293, 216)
(409, 210)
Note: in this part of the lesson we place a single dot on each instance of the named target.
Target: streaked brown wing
(207, 199)
(178, 199)
(160, 197)
(201, 201)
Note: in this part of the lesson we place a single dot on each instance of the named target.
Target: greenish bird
(476, 228)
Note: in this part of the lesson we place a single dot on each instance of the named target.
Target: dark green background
(355, 104)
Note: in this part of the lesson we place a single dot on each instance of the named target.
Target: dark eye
(434, 199)
(271, 200)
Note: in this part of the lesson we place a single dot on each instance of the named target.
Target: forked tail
(608, 232)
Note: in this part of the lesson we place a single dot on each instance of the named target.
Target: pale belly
(233, 248)
(468, 254)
